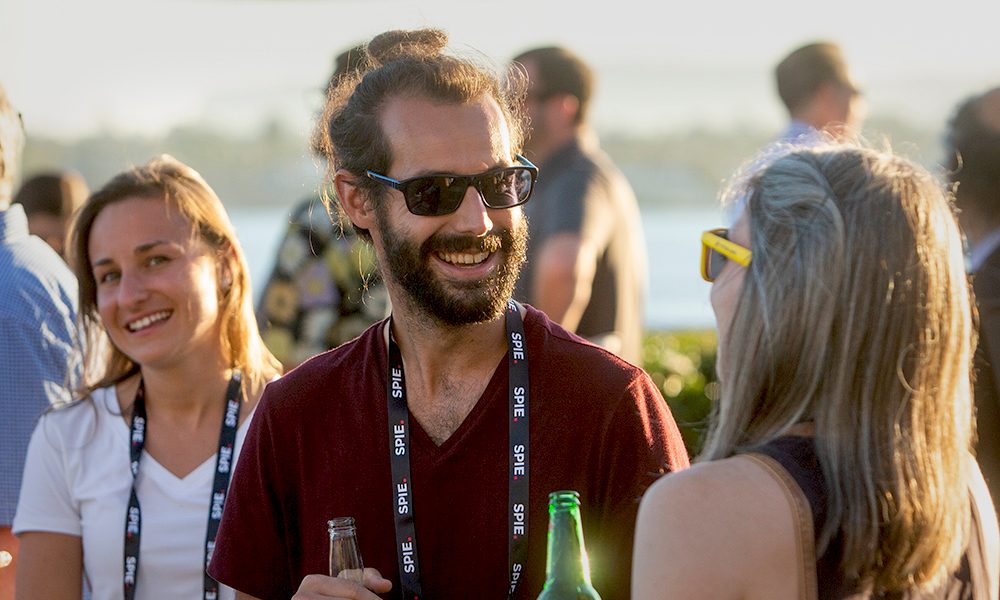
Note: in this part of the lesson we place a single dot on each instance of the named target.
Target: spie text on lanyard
(399, 456)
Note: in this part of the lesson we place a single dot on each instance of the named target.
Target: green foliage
(682, 365)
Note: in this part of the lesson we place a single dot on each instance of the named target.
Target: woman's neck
(183, 395)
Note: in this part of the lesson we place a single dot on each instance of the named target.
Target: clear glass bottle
(345, 559)
(567, 569)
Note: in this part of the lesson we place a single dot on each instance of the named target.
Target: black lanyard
(223, 467)
(399, 457)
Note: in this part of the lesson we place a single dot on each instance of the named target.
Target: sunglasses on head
(436, 195)
(716, 249)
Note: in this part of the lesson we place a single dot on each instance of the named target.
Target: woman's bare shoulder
(721, 529)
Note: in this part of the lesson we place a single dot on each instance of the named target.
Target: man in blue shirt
(816, 87)
(38, 299)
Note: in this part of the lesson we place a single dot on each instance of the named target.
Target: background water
(678, 297)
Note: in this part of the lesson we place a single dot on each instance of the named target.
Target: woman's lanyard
(399, 457)
(223, 466)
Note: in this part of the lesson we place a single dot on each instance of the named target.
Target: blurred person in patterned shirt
(325, 288)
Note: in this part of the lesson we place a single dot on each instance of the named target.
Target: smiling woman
(174, 366)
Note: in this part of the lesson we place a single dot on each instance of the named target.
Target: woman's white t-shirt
(77, 482)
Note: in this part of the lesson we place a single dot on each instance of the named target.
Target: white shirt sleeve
(46, 502)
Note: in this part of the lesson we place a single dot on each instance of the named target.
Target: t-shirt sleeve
(580, 202)
(642, 443)
(46, 502)
(250, 550)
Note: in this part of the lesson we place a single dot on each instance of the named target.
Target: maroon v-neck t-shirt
(318, 448)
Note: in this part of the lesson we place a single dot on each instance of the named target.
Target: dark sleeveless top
(797, 457)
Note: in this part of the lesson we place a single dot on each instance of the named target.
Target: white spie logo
(408, 565)
(519, 455)
(138, 428)
(399, 439)
(231, 409)
(397, 383)
(402, 498)
(519, 402)
(225, 457)
(218, 499)
(518, 519)
(515, 576)
(133, 521)
(130, 570)
(517, 345)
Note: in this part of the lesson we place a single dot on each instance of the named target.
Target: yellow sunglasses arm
(727, 248)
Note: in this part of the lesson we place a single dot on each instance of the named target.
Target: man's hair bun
(401, 43)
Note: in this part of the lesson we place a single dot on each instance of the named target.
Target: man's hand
(321, 587)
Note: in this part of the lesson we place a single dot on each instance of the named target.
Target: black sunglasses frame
(449, 201)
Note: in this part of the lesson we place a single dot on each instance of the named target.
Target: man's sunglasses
(436, 195)
(716, 249)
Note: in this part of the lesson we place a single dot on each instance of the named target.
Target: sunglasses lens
(506, 188)
(716, 261)
(434, 196)
(713, 261)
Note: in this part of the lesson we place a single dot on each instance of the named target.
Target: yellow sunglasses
(716, 249)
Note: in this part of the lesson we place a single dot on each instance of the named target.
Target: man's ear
(354, 200)
(567, 106)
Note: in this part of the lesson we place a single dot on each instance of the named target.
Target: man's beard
(455, 302)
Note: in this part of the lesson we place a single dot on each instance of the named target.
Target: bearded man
(419, 429)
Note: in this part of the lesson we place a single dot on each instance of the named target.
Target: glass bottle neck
(567, 557)
(341, 527)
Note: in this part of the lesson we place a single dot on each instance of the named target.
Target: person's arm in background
(563, 276)
(579, 218)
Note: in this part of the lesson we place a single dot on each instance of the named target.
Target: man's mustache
(501, 239)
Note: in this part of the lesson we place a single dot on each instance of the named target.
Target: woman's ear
(353, 200)
(226, 266)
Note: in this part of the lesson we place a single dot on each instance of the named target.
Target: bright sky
(74, 67)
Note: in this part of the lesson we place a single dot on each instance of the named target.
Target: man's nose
(472, 215)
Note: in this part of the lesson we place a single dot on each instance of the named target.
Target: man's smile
(463, 259)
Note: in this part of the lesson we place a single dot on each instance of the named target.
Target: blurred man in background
(37, 309)
(49, 200)
(973, 161)
(586, 264)
(817, 89)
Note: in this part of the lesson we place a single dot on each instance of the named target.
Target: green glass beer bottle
(567, 570)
